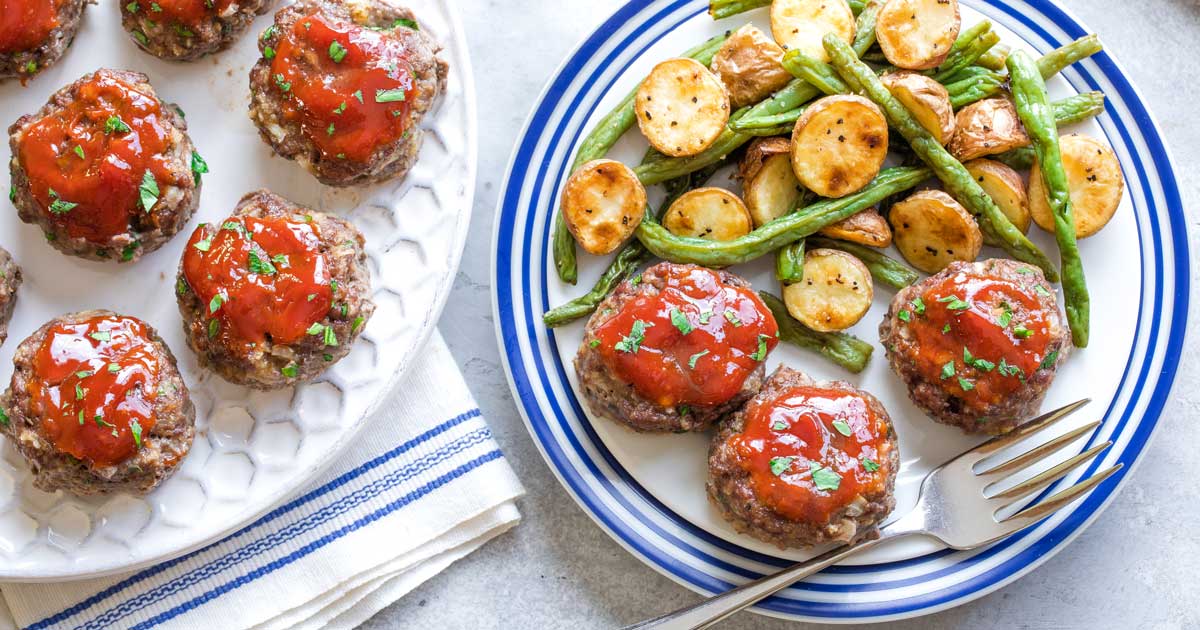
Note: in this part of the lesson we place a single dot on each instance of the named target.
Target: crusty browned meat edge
(29, 63)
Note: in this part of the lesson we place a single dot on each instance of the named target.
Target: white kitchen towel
(423, 485)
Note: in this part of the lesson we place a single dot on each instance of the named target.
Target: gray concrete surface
(1136, 567)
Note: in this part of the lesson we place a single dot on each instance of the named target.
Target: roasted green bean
(843, 349)
(726, 8)
(781, 231)
(1069, 110)
(1033, 108)
(789, 263)
(954, 175)
(1054, 61)
(883, 268)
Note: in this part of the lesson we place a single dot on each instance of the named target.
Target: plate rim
(1162, 178)
(428, 325)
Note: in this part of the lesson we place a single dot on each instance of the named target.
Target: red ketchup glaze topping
(801, 461)
(179, 12)
(87, 163)
(259, 278)
(348, 86)
(694, 343)
(94, 386)
(25, 24)
(979, 336)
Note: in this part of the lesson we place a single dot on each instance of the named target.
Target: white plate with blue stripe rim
(647, 491)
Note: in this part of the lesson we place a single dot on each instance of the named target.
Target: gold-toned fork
(956, 507)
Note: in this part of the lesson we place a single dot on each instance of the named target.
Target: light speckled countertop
(1134, 568)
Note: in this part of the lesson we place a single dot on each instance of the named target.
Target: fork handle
(714, 609)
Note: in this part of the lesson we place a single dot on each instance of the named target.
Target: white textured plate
(648, 491)
(252, 449)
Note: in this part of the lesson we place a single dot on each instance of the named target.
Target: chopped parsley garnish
(1006, 316)
(842, 427)
(114, 124)
(289, 371)
(1006, 369)
(114, 368)
(282, 260)
(779, 425)
(680, 321)
(389, 96)
(3, 417)
(283, 85)
(1041, 290)
(59, 206)
(132, 7)
(214, 327)
(965, 384)
(140, 37)
(1049, 360)
(761, 352)
(945, 329)
(696, 357)
(79, 391)
(337, 52)
(918, 305)
(269, 32)
(869, 465)
(824, 477)
(205, 243)
(633, 341)
(948, 370)
(780, 464)
(683, 410)
(595, 343)
(330, 129)
(199, 166)
(129, 250)
(984, 364)
(327, 357)
(148, 191)
(260, 265)
(215, 303)
(268, 53)
(340, 108)
(326, 332)
(904, 316)
(406, 23)
(102, 335)
(732, 317)
(84, 373)
(333, 285)
(705, 315)
(183, 31)
(79, 151)
(136, 429)
(1024, 270)
(358, 322)
(954, 303)
(1021, 332)
(358, 95)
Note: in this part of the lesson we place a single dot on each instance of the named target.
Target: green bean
(967, 56)
(994, 58)
(864, 26)
(973, 72)
(1069, 110)
(843, 349)
(954, 175)
(1054, 61)
(1029, 96)
(1020, 158)
(972, 90)
(883, 268)
(789, 263)
(595, 146)
(727, 8)
(781, 231)
(816, 72)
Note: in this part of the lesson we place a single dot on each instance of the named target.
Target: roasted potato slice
(928, 101)
(1094, 179)
(1005, 187)
(986, 127)
(839, 144)
(867, 227)
(712, 213)
(748, 64)
(603, 202)
(834, 294)
(801, 24)
(917, 34)
(769, 186)
(681, 107)
(932, 230)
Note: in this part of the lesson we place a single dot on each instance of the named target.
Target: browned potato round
(839, 144)
(1094, 178)
(926, 99)
(603, 202)
(986, 127)
(835, 293)
(932, 230)
(801, 24)
(917, 34)
(865, 228)
(769, 186)
(712, 213)
(681, 107)
(1005, 187)
(748, 64)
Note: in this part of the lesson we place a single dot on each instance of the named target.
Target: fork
(955, 507)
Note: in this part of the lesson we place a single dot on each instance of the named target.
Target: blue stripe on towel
(292, 505)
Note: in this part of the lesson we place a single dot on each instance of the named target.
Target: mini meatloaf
(105, 169)
(275, 294)
(10, 281)
(183, 30)
(35, 33)
(342, 86)
(977, 344)
(805, 463)
(96, 405)
(675, 349)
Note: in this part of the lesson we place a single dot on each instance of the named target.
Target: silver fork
(954, 507)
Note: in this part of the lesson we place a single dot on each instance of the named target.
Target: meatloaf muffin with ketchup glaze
(805, 463)
(342, 86)
(183, 30)
(96, 405)
(35, 33)
(675, 349)
(274, 294)
(977, 344)
(106, 169)
(10, 281)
